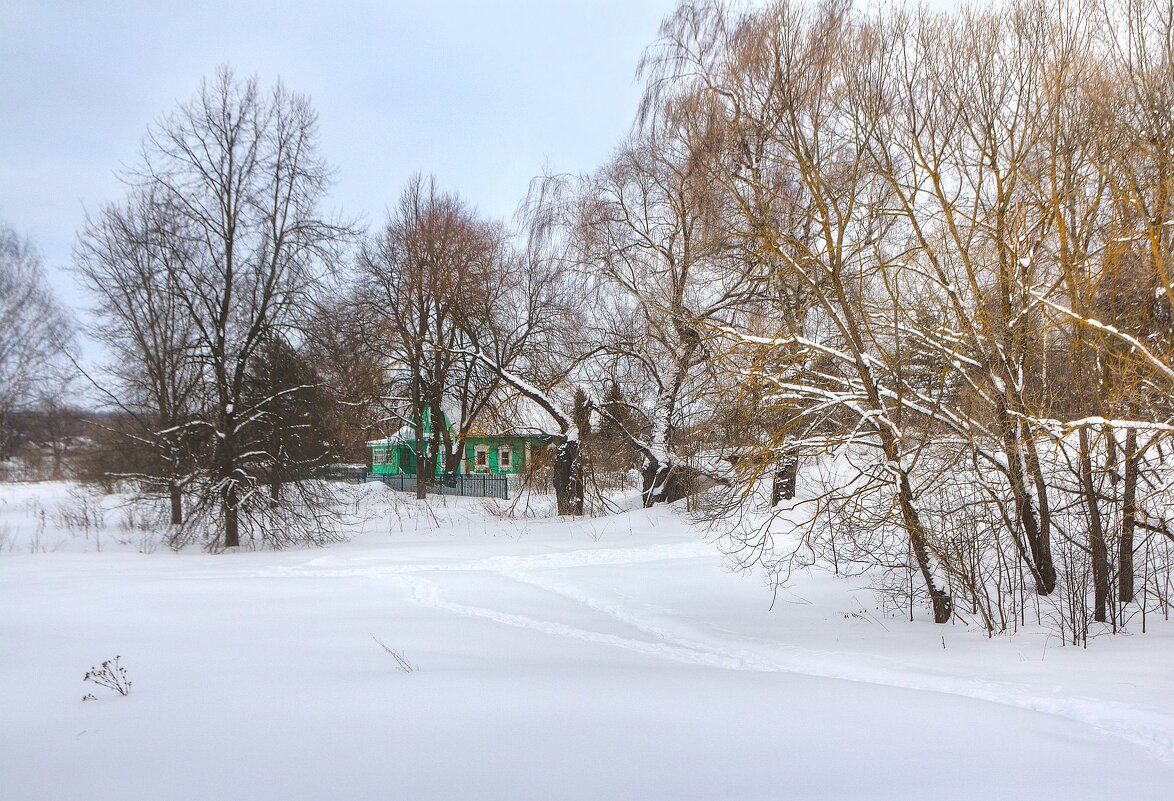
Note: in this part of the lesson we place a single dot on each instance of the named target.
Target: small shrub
(81, 514)
(110, 675)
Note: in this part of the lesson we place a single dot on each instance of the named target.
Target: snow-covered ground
(608, 658)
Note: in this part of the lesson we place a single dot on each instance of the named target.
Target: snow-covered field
(608, 658)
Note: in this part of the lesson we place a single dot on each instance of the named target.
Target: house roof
(515, 416)
(404, 435)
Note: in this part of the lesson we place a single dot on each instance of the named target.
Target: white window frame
(505, 458)
(480, 451)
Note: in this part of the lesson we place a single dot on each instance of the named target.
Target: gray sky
(481, 94)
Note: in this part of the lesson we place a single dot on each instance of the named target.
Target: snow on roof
(517, 416)
(404, 435)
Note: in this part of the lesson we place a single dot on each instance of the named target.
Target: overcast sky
(480, 93)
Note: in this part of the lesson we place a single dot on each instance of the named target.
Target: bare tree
(817, 214)
(433, 261)
(650, 228)
(338, 344)
(959, 225)
(527, 331)
(153, 377)
(235, 176)
(34, 332)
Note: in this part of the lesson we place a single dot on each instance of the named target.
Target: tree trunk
(453, 457)
(7, 438)
(568, 478)
(442, 455)
(226, 466)
(58, 460)
(1096, 534)
(1128, 518)
(940, 601)
(176, 494)
(421, 465)
(274, 491)
(1043, 568)
(649, 483)
(232, 537)
(785, 478)
(664, 483)
(1045, 565)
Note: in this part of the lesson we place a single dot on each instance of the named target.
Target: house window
(379, 456)
(481, 458)
(505, 457)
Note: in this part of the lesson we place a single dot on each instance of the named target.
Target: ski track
(1149, 729)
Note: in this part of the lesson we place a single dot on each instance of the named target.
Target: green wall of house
(401, 459)
(495, 450)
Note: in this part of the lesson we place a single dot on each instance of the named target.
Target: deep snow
(608, 658)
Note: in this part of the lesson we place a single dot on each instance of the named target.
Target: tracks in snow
(1149, 729)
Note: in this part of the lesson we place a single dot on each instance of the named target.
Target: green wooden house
(485, 454)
